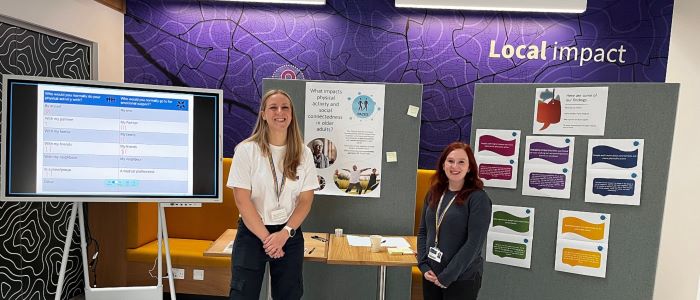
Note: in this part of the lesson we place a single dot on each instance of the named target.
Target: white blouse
(250, 170)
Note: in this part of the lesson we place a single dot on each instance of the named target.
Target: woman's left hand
(275, 241)
(437, 282)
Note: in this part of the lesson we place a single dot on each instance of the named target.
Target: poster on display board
(497, 157)
(509, 239)
(548, 166)
(570, 111)
(582, 243)
(614, 171)
(343, 127)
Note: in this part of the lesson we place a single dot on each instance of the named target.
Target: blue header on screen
(115, 100)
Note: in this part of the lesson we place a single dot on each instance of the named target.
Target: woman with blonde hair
(273, 177)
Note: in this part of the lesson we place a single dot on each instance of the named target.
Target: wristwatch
(291, 231)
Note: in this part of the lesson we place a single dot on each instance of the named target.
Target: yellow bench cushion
(182, 252)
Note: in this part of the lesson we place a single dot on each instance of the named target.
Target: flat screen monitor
(78, 140)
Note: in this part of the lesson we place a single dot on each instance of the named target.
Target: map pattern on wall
(32, 234)
(233, 46)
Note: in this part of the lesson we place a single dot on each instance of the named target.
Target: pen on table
(316, 237)
(312, 250)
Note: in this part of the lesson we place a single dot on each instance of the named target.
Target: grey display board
(635, 110)
(391, 214)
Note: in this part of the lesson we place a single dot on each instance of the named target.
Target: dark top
(462, 237)
(372, 180)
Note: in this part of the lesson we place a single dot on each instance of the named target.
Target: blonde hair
(295, 144)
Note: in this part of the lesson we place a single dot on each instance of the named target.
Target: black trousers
(248, 266)
(460, 289)
(356, 186)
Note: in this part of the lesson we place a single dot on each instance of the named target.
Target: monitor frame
(218, 198)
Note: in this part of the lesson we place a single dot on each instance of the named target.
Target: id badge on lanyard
(434, 253)
(279, 214)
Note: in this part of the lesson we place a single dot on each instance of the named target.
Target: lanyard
(278, 188)
(438, 221)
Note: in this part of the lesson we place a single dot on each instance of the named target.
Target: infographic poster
(614, 171)
(549, 162)
(570, 111)
(497, 157)
(582, 243)
(343, 127)
(509, 239)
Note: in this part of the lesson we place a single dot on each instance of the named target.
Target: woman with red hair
(453, 228)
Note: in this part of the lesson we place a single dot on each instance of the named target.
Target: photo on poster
(570, 111)
(508, 249)
(514, 220)
(343, 128)
(498, 172)
(582, 258)
(356, 181)
(583, 226)
(613, 186)
(324, 152)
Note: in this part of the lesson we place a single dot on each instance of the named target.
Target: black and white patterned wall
(32, 234)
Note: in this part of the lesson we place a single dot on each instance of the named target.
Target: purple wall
(234, 46)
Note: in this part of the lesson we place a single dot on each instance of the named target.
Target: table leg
(381, 284)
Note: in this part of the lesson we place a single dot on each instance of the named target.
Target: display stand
(401, 135)
(634, 110)
(116, 293)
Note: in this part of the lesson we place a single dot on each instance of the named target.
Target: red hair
(439, 182)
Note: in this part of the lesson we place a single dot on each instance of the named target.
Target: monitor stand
(115, 293)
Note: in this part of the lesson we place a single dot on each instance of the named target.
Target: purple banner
(498, 172)
(549, 153)
(613, 186)
(615, 157)
(548, 181)
(496, 145)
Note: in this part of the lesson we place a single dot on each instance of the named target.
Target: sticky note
(413, 111)
(391, 156)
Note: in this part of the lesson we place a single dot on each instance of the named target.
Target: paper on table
(395, 242)
(229, 247)
(399, 251)
(363, 241)
(358, 241)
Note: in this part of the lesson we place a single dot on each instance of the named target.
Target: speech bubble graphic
(508, 249)
(578, 257)
(496, 145)
(548, 113)
(549, 181)
(614, 156)
(507, 220)
(493, 171)
(613, 186)
(585, 229)
(557, 155)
